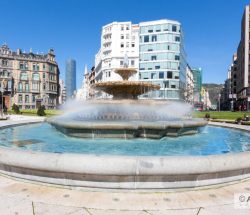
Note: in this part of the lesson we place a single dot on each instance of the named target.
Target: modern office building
(70, 78)
(243, 64)
(28, 79)
(162, 58)
(197, 73)
(154, 48)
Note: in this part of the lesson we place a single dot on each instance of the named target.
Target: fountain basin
(129, 129)
(121, 172)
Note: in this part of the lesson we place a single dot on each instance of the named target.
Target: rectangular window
(146, 39)
(44, 66)
(132, 45)
(150, 30)
(44, 75)
(127, 27)
(169, 74)
(161, 75)
(174, 28)
(127, 45)
(153, 57)
(177, 39)
(27, 87)
(157, 67)
(154, 38)
(173, 86)
(26, 98)
(127, 36)
(121, 63)
(122, 36)
(177, 57)
(122, 45)
(153, 75)
(132, 62)
(122, 27)
(20, 98)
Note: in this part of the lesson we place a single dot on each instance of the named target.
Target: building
(117, 40)
(70, 78)
(243, 66)
(189, 92)
(207, 105)
(197, 73)
(62, 97)
(162, 58)
(82, 93)
(27, 79)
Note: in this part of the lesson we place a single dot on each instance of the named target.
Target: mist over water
(126, 110)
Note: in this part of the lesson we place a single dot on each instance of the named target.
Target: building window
(51, 68)
(157, 67)
(21, 66)
(169, 74)
(26, 87)
(154, 38)
(121, 63)
(20, 87)
(35, 86)
(132, 45)
(122, 27)
(127, 36)
(127, 45)
(132, 62)
(174, 28)
(177, 39)
(161, 75)
(122, 45)
(4, 62)
(26, 98)
(23, 76)
(146, 39)
(20, 98)
(127, 27)
(122, 36)
(44, 87)
(153, 57)
(153, 75)
(173, 86)
(177, 57)
(44, 76)
(44, 66)
(33, 98)
(35, 76)
(150, 30)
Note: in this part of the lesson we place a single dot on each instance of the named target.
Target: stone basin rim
(124, 172)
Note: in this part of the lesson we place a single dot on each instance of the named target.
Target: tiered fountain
(126, 116)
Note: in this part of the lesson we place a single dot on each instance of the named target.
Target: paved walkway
(19, 197)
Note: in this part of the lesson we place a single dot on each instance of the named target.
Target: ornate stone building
(28, 79)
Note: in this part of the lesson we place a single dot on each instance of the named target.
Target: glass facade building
(197, 84)
(70, 78)
(162, 58)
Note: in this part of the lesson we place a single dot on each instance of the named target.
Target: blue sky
(73, 28)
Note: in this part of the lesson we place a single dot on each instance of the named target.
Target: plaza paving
(20, 197)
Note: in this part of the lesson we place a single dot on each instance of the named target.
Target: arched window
(23, 76)
(35, 77)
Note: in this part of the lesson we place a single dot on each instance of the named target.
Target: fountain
(126, 116)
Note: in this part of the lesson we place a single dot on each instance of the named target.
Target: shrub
(41, 111)
(238, 120)
(15, 108)
(207, 116)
